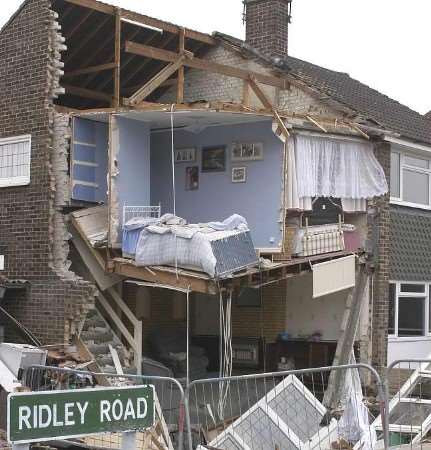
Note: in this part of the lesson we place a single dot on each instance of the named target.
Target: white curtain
(293, 200)
(337, 168)
(324, 167)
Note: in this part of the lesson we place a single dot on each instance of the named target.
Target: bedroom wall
(133, 181)
(258, 200)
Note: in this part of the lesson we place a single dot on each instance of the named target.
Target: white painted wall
(306, 315)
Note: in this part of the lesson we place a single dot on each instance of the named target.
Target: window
(409, 309)
(411, 179)
(15, 161)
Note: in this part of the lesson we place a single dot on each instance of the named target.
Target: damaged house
(155, 179)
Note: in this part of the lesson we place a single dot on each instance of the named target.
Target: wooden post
(180, 85)
(346, 339)
(246, 93)
(117, 69)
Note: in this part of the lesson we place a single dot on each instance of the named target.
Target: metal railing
(284, 410)
(408, 419)
(169, 403)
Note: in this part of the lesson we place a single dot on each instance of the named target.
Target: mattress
(218, 249)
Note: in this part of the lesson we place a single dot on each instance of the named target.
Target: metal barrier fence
(280, 410)
(168, 432)
(408, 385)
(285, 411)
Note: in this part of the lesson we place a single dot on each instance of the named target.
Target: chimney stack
(267, 23)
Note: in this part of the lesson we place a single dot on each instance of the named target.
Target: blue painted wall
(258, 200)
(133, 181)
(95, 134)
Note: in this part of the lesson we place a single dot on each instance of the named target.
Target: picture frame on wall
(214, 159)
(192, 178)
(183, 155)
(239, 174)
(247, 151)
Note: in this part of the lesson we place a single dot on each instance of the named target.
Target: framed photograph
(247, 151)
(192, 178)
(214, 159)
(239, 174)
(185, 155)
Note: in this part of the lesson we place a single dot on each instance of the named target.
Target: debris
(20, 356)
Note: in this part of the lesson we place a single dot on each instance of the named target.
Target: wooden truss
(175, 62)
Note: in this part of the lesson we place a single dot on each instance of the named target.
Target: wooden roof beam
(166, 84)
(86, 40)
(267, 104)
(166, 26)
(156, 81)
(79, 23)
(105, 45)
(87, 70)
(201, 64)
(128, 77)
(144, 20)
(94, 5)
(87, 93)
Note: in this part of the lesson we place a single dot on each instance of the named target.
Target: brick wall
(381, 238)
(267, 23)
(267, 321)
(55, 296)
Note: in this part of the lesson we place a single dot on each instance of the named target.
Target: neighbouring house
(101, 139)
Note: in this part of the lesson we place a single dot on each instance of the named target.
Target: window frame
(426, 319)
(403, 166)
(22, 180)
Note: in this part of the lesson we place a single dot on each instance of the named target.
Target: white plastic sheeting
(354, 425)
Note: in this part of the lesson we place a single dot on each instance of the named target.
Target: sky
(382, 43)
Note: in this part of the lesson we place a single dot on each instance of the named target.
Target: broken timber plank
(201, 64)
(267, 104)
(184, 280)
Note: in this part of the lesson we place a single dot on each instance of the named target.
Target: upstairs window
(15, 155)
(411, 179)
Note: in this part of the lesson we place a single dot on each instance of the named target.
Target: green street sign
(36, 416)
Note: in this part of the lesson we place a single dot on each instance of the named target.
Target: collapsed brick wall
(30, 51)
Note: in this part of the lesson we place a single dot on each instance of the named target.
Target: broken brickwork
(30, 51)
